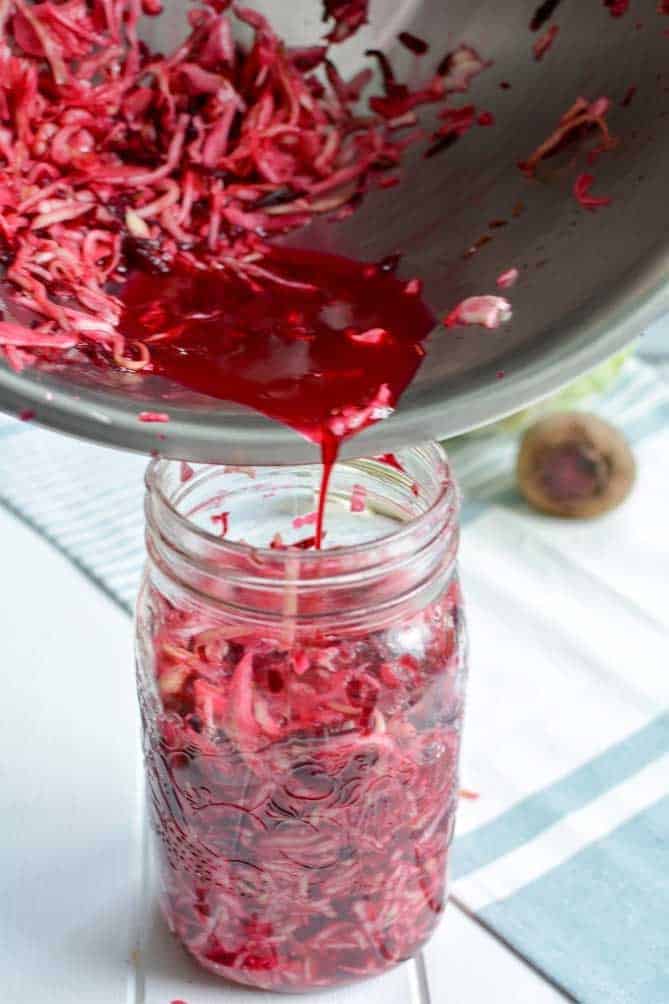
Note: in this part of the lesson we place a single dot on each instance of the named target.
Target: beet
(575, 465)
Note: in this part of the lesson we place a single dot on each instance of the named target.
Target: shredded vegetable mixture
(582, 186)
(485, 311)
(303, 790)
(112, 156)
(349, 15)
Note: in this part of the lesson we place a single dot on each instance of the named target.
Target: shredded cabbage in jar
(303, 790)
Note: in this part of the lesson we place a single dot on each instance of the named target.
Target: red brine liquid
(325, 344)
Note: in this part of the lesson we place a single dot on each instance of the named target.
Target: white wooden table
(77, 917)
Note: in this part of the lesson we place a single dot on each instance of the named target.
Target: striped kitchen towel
(564, 852)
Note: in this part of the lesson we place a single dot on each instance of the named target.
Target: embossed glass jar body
(302, 712)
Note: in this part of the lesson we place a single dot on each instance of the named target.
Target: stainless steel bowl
(589, 281)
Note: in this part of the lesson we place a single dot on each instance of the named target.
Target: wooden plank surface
(77, 914)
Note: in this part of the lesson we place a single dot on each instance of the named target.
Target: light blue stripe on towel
(587, 923)
(536, 813)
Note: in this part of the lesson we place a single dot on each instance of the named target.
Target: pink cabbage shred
(154, 416)
(507, 279)
(113, 156)
(617, 8)
(545, 42)
(358, 499)
(582, 186)
(303, 789)
(348, 15)
(484, 311)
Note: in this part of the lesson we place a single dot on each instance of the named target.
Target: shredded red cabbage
(582, 186)
(629, 95)
(358, 498)
(617, 8)
(303, 791)
(485, 311)
(457, 121)
(413, 43)
(391, 460)
(544, 42)
(187, 472)
(222, 520)
(414, 287)
(508, 278)
(310, 519)
(113, 157)
(154, 416)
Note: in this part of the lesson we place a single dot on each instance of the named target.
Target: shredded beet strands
(113, 157)
(327, 347)
(222, 520)
(303, 793)
(508, 278)
(543, 13)
(413, 43)
(391, 460)
(358, 498)
(349, 16)
(160, 417)
(617, 8)
(582, 186)
(629, 95)
(544, 42)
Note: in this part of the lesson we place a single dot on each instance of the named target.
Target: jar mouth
(443, 499)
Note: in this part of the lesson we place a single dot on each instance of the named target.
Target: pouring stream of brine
(327, 345)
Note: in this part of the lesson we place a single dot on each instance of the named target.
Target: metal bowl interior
(589, 281)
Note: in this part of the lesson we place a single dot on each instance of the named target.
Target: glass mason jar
(302, 712)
